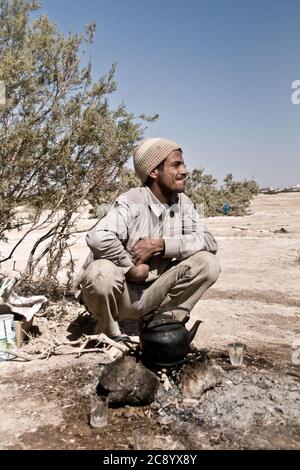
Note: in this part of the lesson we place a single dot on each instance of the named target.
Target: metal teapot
(165, 341)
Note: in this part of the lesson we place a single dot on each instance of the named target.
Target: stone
(198, 377)
(128, 382)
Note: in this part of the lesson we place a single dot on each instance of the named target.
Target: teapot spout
(194, 330)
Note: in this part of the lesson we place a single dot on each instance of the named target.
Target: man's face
(171, 176)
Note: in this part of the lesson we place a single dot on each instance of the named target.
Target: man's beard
(167, 191)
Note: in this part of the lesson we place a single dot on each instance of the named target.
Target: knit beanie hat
(150, 153)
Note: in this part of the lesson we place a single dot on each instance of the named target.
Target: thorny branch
(108, 346)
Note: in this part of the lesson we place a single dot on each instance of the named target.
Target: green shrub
(236, 195)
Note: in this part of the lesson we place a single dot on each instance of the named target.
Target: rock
(199, 377)
(166, 382)
(129, 382)
(278, 409)
(128, 413)
(164, 420)
(155, 442)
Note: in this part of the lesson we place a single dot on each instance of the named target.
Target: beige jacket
(138, 214)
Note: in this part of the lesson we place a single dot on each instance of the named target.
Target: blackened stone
(128, 382)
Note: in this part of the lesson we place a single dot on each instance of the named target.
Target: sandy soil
(44, 403)
(257, 297)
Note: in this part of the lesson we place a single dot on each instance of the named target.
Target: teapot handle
(186, 319)
(146, 319)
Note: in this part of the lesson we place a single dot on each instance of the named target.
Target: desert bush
(236, 195)
(60, 141)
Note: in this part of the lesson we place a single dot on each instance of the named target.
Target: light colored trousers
(109, 297)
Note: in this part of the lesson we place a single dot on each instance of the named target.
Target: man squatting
(151, 251)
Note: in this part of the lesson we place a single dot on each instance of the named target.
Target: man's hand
(146, 248)
(137, 273)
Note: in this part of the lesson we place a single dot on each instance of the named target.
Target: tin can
(7, 336)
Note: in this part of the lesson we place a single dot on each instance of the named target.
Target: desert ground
(256, 300)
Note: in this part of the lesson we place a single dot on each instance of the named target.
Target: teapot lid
(163, 322)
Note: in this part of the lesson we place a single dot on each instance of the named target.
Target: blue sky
(218, 73)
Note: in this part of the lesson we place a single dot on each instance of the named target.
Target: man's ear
(154, 174)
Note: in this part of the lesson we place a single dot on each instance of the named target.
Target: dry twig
(109, 347)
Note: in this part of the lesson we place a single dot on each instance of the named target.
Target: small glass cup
(236, 353)
(99, 411)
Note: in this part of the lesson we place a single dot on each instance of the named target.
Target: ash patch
(253, 408)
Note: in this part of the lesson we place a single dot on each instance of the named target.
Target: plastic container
(7, 336)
